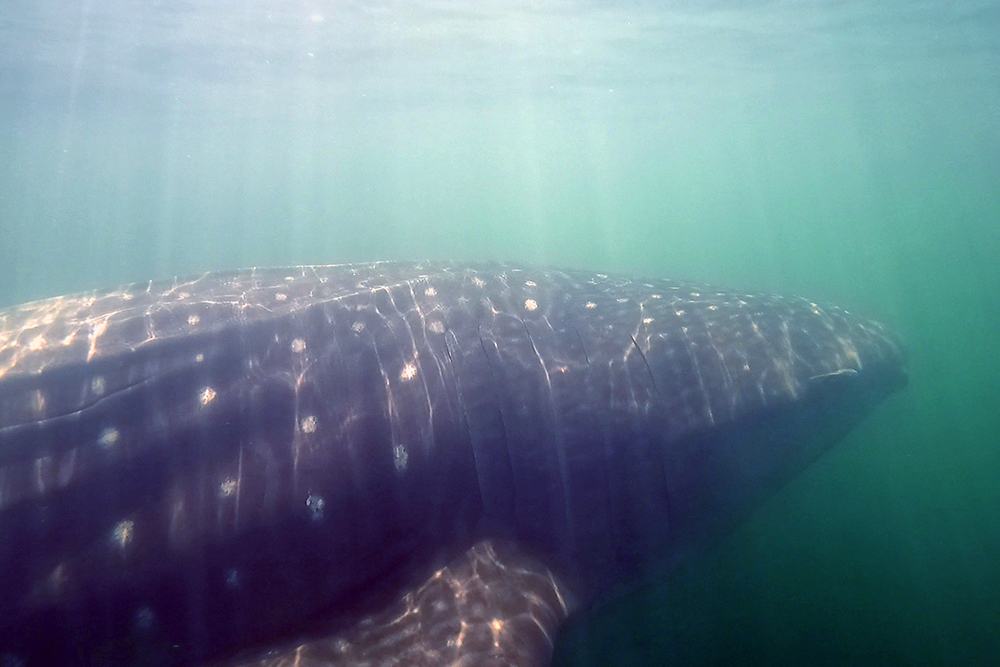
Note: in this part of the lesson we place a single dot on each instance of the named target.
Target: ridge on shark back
(391, 463)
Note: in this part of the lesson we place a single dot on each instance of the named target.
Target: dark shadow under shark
(393, 463)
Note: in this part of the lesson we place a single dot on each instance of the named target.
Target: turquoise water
(845, 151)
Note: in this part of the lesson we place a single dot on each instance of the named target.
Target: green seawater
(846, 151)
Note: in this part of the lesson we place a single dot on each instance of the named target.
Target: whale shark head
(685, 407)
(787, 384)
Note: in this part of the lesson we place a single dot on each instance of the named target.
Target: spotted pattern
(328, 406)
(309, 424)
(315, 504)
(123, 533)
(206, 395)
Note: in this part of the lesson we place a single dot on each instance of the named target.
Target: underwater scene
(442, 332)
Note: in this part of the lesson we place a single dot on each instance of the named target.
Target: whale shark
(392, 463)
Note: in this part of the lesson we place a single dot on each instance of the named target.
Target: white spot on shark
(38, 402)
(400, 456)
(315, 504)
(309, 424)
(123, 533)
(206, 396)
(109, 437)
(228, 487)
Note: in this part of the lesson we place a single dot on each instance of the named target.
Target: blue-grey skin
(390, 463)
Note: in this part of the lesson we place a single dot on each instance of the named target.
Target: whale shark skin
(392, 463)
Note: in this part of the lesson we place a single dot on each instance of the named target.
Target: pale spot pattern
(715, 358)
(38, 402)
(109, 437)
(309, 424)
(123, 533)
(315, 503)
(206, 396)
(228, 487)
(400, 457)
